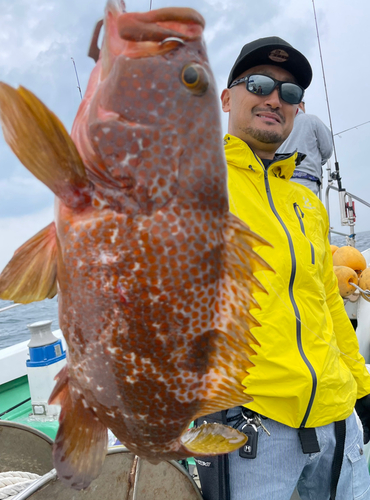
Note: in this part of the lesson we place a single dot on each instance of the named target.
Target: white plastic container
(47, 358)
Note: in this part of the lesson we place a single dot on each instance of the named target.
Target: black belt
(340, 437)
(298, 174)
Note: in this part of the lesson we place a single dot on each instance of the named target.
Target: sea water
(13, 323)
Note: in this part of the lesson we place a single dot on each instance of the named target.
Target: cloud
(15, 231)
(23, 195)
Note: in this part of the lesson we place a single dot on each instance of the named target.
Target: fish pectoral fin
(212, 439)
(31, 275)
(40, 141)
(82, 440)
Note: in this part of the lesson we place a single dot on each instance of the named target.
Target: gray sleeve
(324, 141)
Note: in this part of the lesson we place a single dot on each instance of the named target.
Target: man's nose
(274, 99)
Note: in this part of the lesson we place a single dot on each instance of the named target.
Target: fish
(155, 277)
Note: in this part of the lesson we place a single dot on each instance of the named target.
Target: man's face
(263, 122)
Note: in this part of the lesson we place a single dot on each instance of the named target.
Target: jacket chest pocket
(300, 216)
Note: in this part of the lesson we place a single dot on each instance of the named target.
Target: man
(308, 372)
(311, 137)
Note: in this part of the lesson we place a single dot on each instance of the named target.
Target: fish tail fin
(40, 141)
(82, 440)
(212, 439)
(31, 275)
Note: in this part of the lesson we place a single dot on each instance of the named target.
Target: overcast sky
(39, 38)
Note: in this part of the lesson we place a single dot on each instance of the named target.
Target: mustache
(257, 110)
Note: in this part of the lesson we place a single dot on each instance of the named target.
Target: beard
(264, 136)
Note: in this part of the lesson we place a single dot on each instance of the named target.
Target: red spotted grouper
(154, 275)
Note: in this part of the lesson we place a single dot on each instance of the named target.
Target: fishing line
(289, 309)
(324, 78)
(356, 126)
(326, 91)
(78, 81)
(338, 178)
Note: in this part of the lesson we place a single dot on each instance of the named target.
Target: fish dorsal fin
(212, 439)
(82, 440)
(31, 274)
(40, 141)
(234, 347)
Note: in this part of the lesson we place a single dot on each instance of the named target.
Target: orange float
(345, 276)
(350, 257)
(333, 249)
(364, 282)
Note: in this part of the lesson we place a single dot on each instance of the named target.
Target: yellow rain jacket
(308, 371)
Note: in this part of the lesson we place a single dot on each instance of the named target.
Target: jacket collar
(240, 155)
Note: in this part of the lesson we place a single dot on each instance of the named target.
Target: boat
(124, 475)
(28, 426)
(16, 404)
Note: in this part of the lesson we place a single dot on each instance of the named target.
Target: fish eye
(195, 78)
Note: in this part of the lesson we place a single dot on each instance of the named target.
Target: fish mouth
(145, 34)
(161, 24)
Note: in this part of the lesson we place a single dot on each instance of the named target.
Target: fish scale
(147, 280)
(155, 277)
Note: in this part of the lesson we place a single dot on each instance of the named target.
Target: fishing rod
(347, 129)
(346, 203)
(78, 81)
(151, 2)
(337, 173)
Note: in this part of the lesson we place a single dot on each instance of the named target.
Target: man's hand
(362, 408)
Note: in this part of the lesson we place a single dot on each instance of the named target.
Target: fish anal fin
(31, 275)
(237, 397)
(212, 439)
(220, 400)
(40, 141)
(230, 360)
(82, 440)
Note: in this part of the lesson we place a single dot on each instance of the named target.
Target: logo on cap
(279, 55)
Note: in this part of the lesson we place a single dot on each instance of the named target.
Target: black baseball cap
(274, 51)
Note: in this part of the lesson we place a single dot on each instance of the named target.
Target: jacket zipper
(292, 299)
(300, 216)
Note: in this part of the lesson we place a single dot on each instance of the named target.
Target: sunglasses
(265, 85)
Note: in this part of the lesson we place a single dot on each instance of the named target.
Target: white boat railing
(10, 307)
(346, 206)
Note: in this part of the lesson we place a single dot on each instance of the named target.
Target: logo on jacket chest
(307, 204)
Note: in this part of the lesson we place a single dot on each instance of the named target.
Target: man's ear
(225, 100)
